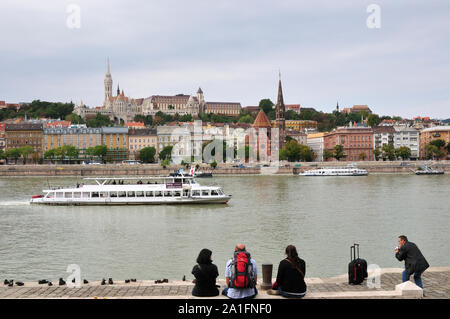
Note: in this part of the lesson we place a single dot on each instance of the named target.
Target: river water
(322, 216)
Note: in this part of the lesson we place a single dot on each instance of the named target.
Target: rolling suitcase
(357, 268)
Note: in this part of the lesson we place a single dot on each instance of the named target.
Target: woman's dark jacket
(289, 278)
(414, 260)
(205, 280)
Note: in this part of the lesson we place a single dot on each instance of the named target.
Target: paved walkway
(436, 283)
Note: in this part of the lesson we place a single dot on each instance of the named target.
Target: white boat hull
(118, 201)
(350, 170)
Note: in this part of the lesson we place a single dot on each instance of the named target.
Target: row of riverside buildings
(188, 137)
(357, 140)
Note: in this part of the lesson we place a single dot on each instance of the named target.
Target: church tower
(108, 83)
(280, 115)
(201, 100)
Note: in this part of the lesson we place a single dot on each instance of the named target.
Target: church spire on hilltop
(108, 72)
(108, 82)
(280, 114)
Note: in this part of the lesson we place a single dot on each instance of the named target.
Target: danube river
(322, 216)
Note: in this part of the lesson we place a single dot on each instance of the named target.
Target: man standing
(241, 275)
(415, 262)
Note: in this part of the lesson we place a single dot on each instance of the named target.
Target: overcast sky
(233, 51)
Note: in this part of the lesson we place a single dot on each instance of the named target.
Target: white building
(315, 142)
(409, 137)
(383, 135)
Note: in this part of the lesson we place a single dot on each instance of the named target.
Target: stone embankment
(223, 169)
(436, 281)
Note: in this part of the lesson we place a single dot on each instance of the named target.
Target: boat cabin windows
(85, 195)
(205, 193)
(95, 195)
(122, 194)
(158, 194)
(131, 194)
(148, 194)
(113, 194)
(185, 192)
(214, 193)
(167, 194)
(140, 194)
(177, 194)
(68, 195)
(77, 195)
(195, 193)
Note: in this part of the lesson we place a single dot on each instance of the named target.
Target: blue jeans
(417, 278)
(225, 293)
(288, 295)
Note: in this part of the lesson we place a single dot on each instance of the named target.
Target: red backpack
(241, 271)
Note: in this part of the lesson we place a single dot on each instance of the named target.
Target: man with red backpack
(241, 275)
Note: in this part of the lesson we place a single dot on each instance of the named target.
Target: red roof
(58, 124)
(135, 124)
(262, 120)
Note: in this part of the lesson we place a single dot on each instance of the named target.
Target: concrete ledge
(409, 289)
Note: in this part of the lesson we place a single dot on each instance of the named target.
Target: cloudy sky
(233, 51)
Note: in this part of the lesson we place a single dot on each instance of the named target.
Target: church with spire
(280, 113)
(123, 109)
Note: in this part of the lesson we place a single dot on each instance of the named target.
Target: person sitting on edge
(291, 275)
(415, 262)
(241, 275)
(205, 273)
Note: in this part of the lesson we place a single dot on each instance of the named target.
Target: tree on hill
(246, 119)
(75, 119)
(373, 120)
(146, 119)
(266, 105)
(99, 120)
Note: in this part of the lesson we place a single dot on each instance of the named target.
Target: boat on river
(349, 170)
(426, 170)
(134, 191)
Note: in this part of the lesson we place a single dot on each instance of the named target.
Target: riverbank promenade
(436, 281)
(75, 170)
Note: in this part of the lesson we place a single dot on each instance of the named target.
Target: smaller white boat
(426, 170)
(349, 170)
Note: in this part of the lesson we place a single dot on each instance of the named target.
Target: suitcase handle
(353, 251)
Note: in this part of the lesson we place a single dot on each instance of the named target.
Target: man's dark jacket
(414, 260)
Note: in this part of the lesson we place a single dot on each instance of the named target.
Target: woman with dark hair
(291, 275)
(205, 273)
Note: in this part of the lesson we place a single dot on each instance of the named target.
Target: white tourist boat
(134, 191)
(349, 170)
